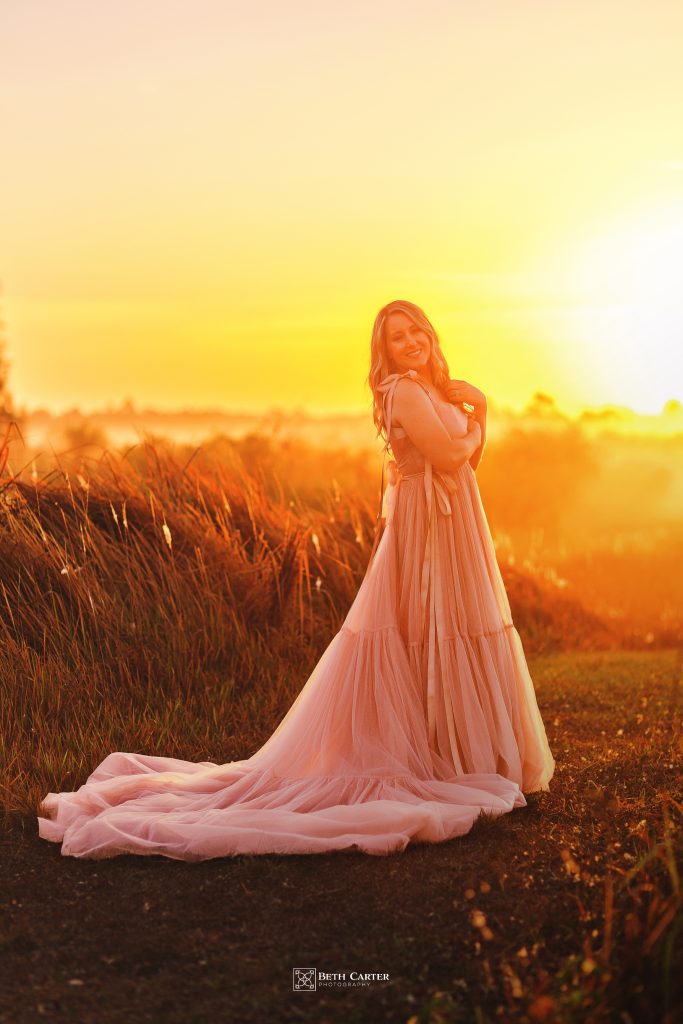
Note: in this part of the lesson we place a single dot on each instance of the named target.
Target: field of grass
(177, 606)
(173, 606)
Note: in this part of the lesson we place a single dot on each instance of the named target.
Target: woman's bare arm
(415, 412)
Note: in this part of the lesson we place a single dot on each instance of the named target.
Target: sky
(206, 203)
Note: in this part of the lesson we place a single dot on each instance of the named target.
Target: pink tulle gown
(420, 714)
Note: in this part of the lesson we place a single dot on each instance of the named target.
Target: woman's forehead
(397, 319)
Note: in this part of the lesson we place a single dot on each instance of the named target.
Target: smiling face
(408, 346)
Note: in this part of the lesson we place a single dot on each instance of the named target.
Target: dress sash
(438, 487)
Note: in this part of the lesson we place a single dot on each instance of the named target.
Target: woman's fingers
(466, 394)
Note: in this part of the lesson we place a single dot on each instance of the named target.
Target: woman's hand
(460, 391)
(474, 431)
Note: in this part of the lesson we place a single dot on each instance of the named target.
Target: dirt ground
(501, 924)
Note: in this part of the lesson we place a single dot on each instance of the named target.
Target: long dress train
(419, 716)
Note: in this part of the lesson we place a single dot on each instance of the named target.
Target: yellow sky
(206, 203)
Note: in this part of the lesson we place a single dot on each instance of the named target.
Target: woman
(420, 714)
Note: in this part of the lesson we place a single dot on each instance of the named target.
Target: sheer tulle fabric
(420, 714)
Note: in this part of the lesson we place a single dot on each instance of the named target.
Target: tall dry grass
(153, 605)
(176, 602)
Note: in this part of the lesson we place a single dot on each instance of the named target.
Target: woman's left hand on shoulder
(462, 391)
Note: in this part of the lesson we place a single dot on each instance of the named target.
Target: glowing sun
(628, 305)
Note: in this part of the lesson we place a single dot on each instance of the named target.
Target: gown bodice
(408, 457)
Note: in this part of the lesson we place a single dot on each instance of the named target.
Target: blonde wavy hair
(381, 363)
